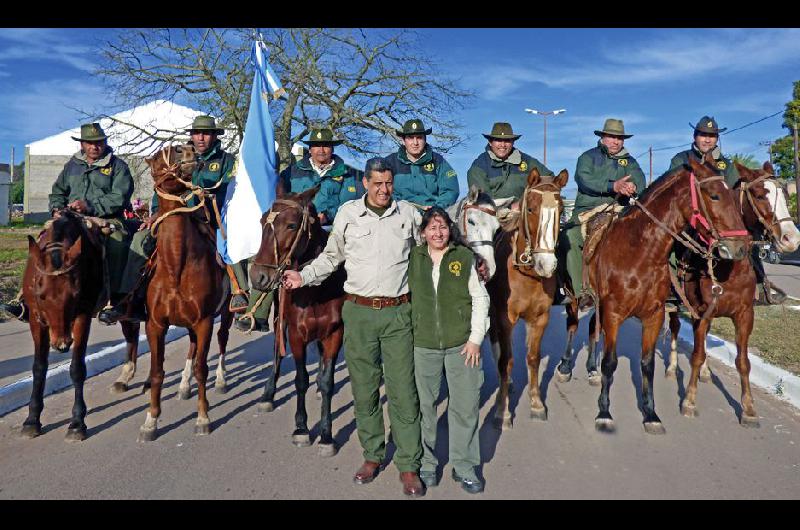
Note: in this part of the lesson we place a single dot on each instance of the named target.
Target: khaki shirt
(374, 249)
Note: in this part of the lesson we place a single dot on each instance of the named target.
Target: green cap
(322, 136)
(91, 132)
(502, 131)
(413, 127)
(708, 125)
(614, 128)
(205, 123)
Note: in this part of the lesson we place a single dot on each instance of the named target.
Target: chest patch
(455, 268)
(721, 164)
(428, 166)
(214, 166)
(106, 170)
(523, 166)
(623, 162)
(351, 189)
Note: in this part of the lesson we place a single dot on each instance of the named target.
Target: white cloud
(32, 45)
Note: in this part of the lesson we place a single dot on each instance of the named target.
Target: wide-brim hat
(707, 124)
(613, 127)
(205, 123)
(413, 127)
(502, 131)
(322, 136)
(91, 132)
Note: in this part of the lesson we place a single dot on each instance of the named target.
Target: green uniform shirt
(596, 173)
(428, 181)
(724, 165)
(503, 178)
(106, 185)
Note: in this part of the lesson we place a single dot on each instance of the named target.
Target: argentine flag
(252, 191)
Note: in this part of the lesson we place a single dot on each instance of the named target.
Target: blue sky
(656, 80)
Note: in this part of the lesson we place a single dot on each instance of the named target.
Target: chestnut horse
(186, 287)
(763, 208)
(629, 269)
(524, 286)
(291, 237)
(61, 290)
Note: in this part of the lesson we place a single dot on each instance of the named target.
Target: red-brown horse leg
(226, 319)
(689, 408)
(564, 370)
(185, 386)
(604, 422)
(267, 399)
(156, 334)
(203, 332)
(41, 350)
(76, 431)
(301, 436)
(651, 328)
(593, 375)
(534, 331)
(328, 352)
(504, 356)
(674, 329)
(131, 332)
(744, 327)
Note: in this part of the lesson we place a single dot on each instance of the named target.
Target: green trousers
(116, 254)
(463, 407)
(380, 342)
(572, 239)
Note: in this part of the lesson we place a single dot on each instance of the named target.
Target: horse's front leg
(504, 356)
(744, 327)
(610, 327)
(534, 330)
(301, 436)
(76, 431)
(593, 375)
(328, 352)
(674, 329)
(203, 332)
(185, 386)
(131, 332)
(651, 328)
(689, 407)
(564, 369)
(226, 319)
(41, 350)
(156, 334)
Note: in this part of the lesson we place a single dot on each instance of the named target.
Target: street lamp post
(545, 114)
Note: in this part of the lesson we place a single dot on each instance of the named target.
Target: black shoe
(238, 303)
(243, 324)
(468, 485)
(110, 316)
(18, 311)
(429, 478)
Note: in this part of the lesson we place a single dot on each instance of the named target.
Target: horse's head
(286, 233)
(763, 205)
(57, 277)
(713, 213)
(540, 212)
(172, 168)
(476, 219)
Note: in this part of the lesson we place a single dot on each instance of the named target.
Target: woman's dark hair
(438, 211)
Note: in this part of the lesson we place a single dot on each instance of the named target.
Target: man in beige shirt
(374, 236)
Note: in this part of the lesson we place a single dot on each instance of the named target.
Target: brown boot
(412, 485)
(366, 473)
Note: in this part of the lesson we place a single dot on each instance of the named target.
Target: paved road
(785, 276)
(249, 454)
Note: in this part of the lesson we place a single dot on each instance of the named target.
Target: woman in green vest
(449, 308)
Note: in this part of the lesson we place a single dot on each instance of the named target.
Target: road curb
(777, 381)
(18, 393)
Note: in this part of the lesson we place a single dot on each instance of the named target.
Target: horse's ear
(768, 168)
(561, 179)
(474, 191)
(533, 177)
(744, 172)
(697, 167)
(34, 250)
(74, 251)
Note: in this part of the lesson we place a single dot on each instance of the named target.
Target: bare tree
(363, 83)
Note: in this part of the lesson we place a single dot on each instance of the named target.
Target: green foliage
(792, 203)
(17, 195)
(791, 117)
(748, 161)
(783, 156)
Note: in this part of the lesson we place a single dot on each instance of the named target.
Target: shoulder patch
(523, 166)
(451, 173)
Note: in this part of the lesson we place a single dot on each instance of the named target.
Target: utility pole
(768, 144)
(11, 169)
(545, 114)
(651, 166)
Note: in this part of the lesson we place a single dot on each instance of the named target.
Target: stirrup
(586, 299)
(18, 310)
(238, 303)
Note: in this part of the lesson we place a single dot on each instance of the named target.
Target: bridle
(281, 265)
(745, 190)
(703, 218)
(550, 199)
(468, 206)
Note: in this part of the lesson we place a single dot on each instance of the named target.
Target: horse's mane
(659, 186)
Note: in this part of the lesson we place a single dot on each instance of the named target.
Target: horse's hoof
(705, 378)
(750, 421)
(221, 388)
(563, 378)
(119, 388)
(266, 406)
(539, 414)
(504, 424)
(202, 429)
(605, 425)
(76, 435)
(594, 378)
(31, 431)
(671, 373)
(146, 435)
(654, 427)
(327, 450)
(301, 440)
(185, 393)
(689, 411)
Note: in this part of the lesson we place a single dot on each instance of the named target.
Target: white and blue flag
(252, 191)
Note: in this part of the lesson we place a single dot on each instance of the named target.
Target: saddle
(594, 226)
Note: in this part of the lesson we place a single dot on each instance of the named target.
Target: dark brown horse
(291, 237)
(524, 286)
(629, 269)
(186, 287)
(763, 208)
(61, 290)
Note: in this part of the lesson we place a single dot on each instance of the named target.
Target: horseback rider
(214, 166)
(338, 183)
(706, 139)
(606, 176)
(421, 175)
(502, 169)
(93, 182)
